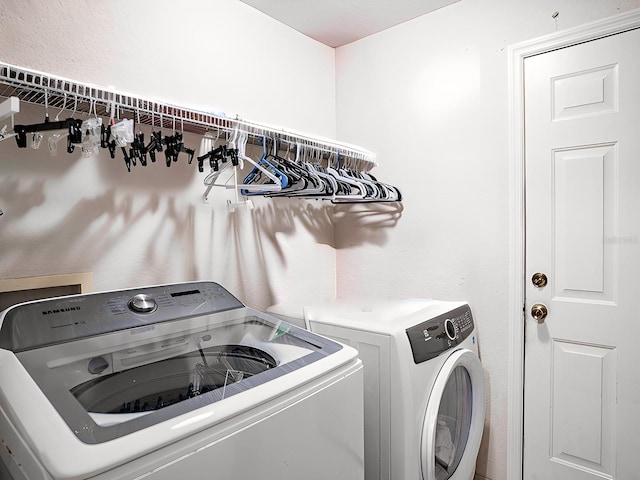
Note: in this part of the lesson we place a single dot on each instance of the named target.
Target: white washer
(423, 384)
(173, 381)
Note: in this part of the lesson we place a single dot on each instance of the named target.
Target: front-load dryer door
(454, 419)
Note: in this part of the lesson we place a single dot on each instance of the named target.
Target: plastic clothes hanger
(235, 151)
(389, 193)
(4, 135)
(215, 155)
(328, 184)
(70, 124)
(208, 143)
(354, 191)
(189, 151)
(91, 130)
(106, 137)
(175, 145)
(155, 144)
(263, 167)
(208, 151)
(54, 138)
(319, 186)
(240, 151)
(393, 194)
(266, 165)
(385, 192)
(238, 148)
(350, 184)
(333, 182)
(299, 179)
(325, 185)
(350, 169)
(122, 135)
(138, 149)
(372, 190)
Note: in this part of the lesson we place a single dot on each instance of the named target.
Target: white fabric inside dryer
(445, 449)
(453, 424)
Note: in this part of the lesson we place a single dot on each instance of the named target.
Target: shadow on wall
(365, 223)
(245, 259)
(282, 224)
(89, 230)
(255, 239)
(283, 215)
(151, 238)
(31, 195)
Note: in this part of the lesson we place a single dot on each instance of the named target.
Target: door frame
(517, 316)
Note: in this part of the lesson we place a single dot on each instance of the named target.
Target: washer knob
(142, 303)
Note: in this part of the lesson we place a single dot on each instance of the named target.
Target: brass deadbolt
(539, 280)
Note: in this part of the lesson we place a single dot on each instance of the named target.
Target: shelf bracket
(9, 107)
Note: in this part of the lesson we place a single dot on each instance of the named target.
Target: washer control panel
(436, 335)
(63, 319)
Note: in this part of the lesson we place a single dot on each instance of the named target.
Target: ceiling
(338, 22)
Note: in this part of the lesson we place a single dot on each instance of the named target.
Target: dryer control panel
(439, 334)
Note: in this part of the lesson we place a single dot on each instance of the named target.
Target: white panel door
(582, 150)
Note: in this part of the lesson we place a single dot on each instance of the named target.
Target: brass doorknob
(539, 312)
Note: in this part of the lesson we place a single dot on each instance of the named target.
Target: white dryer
(173, 381)
(423, 384)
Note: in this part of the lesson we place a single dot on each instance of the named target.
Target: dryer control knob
(143, 303)
(450, 329)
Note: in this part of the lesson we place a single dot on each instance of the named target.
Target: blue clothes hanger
(263, 166)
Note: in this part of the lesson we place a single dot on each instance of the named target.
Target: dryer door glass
(453, 423)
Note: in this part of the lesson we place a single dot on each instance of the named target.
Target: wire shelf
(69, 96)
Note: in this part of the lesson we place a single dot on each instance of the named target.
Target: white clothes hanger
(4, 135)
(241, 146)
(238, 141)
(207, 146)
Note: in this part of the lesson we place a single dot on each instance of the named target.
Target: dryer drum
(453, 423)
(163, 383)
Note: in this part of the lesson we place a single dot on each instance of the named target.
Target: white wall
(69, 214)
(430, 98)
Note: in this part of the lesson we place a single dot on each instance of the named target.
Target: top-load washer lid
(114, 363)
